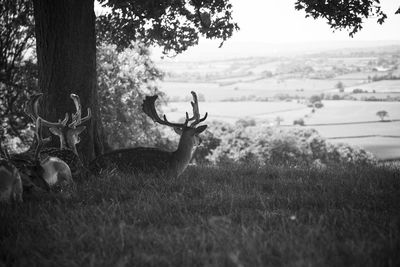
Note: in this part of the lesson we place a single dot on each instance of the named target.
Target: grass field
(242, 87)
(382, 147)
(232, 111)
(385, 86)
(213, 216)
(270, 87)
(333, 111)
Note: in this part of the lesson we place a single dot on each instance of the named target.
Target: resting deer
(10, 180)
(68, 134)
(43, 173)
(150, 160)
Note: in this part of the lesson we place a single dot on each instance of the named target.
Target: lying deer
(68, 134)
(150, 160)
(43, 173)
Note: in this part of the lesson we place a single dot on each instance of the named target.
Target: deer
(68, 133)
(154, 160)
(37, 172)
(10, 180)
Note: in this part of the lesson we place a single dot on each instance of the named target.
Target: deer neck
(183, 154)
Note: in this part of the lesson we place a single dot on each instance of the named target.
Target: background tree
(382, 114)
(17, 69)
(340, 86)
(66, 45)
(124, 79)
(315, 98)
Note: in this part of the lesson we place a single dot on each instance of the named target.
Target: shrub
(124, 79)
(318, 104)
(282, 146)
(299, 122)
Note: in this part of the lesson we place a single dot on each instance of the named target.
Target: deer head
(188, 130)
(68, 134)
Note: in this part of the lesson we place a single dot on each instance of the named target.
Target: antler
(38, 137)
(77, 117)
(149, 109)
(31, 109)
(196, 112)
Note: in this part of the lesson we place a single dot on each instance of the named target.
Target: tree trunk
(66, 52)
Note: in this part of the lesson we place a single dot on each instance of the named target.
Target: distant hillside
(209, 51)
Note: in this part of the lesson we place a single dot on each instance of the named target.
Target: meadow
(342, 111)
(236, 215)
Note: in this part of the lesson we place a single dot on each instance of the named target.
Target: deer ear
(201, 129)
(79, 129)
(55, 131)
(178, 130)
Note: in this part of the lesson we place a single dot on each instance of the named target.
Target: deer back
(138, 159)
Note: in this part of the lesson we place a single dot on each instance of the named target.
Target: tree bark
(66, 52)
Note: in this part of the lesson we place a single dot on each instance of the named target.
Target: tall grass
(236, 215)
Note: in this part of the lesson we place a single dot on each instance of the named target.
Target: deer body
(154, 160)
(68, 134)
(68, 156)
(56, 172)
(149, 159)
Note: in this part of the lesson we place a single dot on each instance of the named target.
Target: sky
(276, 21)
(273, 26)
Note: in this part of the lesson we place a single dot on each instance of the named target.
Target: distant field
(353, 111)
(242, 86)
(385, 86)
(251, 85)
(353, 130)
(232, 111)
(383, 148)
(332, 112)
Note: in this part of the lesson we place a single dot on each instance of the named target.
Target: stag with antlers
(154, 160)
(36, 172)
(68, 134)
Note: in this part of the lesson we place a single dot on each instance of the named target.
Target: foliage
(263, 145)
(343, 14)
(299, 122)
(124, 78)
(318, 104)
(173, 25)
(209, 142)
(340, 86)
(315, 98)
(359, 91)
(18, 73)
(382, 114)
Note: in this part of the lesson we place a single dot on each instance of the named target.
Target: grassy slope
(232, 216)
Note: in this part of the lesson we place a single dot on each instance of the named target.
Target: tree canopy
(343, 14)
(173, 25)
